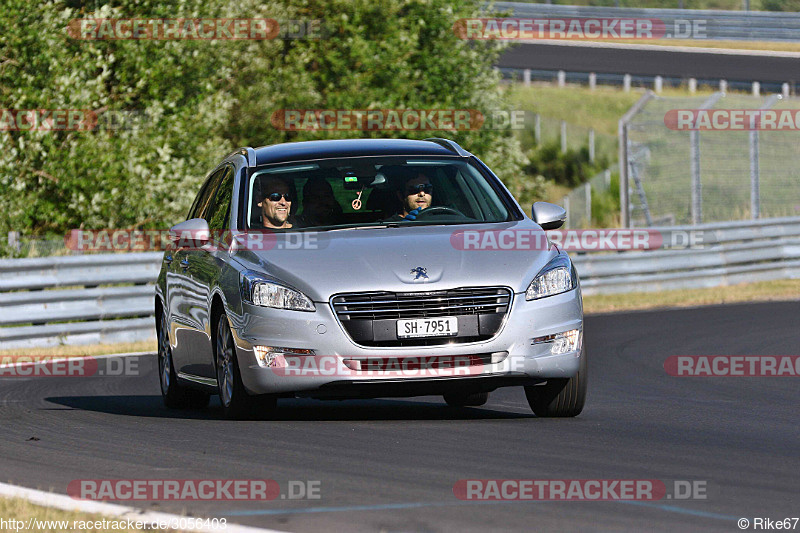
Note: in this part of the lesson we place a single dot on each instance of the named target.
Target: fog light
(498, 357)
(266, 355)
(566, 342)
(352, 364)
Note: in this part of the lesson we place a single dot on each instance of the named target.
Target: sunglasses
(420, 187)
(276, 197)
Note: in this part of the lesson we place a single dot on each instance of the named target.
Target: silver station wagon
(364, 269)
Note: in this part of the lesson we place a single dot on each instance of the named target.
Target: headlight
(259, 291)
(556, 277)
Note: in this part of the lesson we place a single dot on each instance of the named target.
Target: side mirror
(192, 233)
(548, 216)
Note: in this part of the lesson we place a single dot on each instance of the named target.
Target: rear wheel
(236, 402)
(174, 395)
(460, 399)
(562, 397)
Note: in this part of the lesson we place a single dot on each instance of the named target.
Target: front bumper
(331, 372)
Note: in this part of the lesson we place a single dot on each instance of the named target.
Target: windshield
(371, 191)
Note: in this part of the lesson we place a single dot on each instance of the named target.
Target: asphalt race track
(655, 61)
(390, 465)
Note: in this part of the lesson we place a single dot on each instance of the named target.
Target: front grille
(370, 317)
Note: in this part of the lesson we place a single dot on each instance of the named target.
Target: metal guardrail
(719, 24)
(109, 298)
(730, 253)
(86, 299)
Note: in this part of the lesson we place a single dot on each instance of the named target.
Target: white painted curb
(63, 502)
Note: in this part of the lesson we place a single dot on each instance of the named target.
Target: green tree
(204, 98)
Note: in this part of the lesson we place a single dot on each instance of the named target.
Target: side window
(201, 202)
(219, 210)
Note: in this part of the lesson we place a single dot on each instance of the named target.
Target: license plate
(427, 327)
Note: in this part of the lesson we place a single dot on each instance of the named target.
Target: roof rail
(247, 152)
(450, 145)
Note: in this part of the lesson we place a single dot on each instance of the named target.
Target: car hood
(399, 259)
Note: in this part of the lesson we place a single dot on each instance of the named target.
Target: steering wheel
(441, 210)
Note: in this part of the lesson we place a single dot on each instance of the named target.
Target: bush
(570, 168)
(606, 205)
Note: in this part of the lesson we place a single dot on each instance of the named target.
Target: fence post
(624, 162)
(626, 83)
(697, 185)
(588, 204)
(659, 84)
(694, 156)
(785, 90)
(591, 145)
(755, 179)
(14, 241)
(562, 78)
(756, 88)
(592, 81)
(526, 77)
(692, 85)
(723, 86)
(563, 136)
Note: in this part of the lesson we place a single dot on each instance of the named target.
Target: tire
(236, 402)
(560, 397)
(459, 399)
(174, 395)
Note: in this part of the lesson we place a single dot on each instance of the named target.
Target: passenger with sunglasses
(276, 206)
(417, 194)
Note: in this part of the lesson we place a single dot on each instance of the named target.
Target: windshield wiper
(380, 225)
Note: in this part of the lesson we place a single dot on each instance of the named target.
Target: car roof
(305, 150)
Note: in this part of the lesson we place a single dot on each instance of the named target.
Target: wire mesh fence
(568, 136)
(691, 176)
(584, 205)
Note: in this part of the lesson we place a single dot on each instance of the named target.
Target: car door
(205, 265)
(184, 296)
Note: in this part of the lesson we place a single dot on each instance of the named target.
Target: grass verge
(89, 349)
(22, 510)
(765, 291)
(600, 109)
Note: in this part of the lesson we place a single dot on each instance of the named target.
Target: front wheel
(236, 402)
(174, 395)
(560, 397)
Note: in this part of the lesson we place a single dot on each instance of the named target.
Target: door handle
(184, 264)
